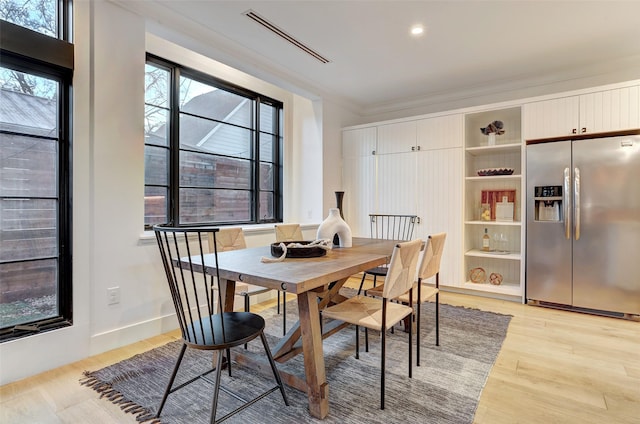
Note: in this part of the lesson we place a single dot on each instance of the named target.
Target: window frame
(41, 55)
(176, 71)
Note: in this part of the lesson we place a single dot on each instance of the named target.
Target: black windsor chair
(192, 292)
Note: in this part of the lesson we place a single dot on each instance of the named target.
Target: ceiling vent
(280, 33)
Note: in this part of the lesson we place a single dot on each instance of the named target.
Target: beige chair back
(228, 239)
(430, 260)
(402, 268)
(288, 232)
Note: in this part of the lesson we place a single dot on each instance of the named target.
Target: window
(36, 63)
(212, 150)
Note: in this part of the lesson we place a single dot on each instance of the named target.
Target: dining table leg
(311, 332)
(227, 293)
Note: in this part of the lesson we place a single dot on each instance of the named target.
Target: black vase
(339, 197)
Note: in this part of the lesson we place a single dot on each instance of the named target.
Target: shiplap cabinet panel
(551, 118)
(426, 182)
(441, 132)
(359, 177)
(359, 184)
(610, 110)
(600, 111)
(439, 203)
(396, 184)
(359, 142)
(399, 137)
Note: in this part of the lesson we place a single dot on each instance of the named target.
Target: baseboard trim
(123, 336)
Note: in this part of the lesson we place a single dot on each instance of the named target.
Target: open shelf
(514, 256)
(492, 150)
(507, 152)
(511, 289)
(495, 177)
(515, 223)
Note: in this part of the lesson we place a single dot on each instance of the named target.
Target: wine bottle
(485, 241)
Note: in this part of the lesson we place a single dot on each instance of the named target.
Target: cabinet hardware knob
(584, 130)
(418, 147)
(373, 152)
(574, 131)
(413, 148)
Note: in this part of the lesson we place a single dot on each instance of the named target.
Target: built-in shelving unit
(506, 237)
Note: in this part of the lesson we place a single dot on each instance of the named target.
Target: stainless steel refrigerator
(583, 224)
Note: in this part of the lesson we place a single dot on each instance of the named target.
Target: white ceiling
(469, 47)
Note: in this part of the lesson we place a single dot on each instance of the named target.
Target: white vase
(334, 224)
(491, 141)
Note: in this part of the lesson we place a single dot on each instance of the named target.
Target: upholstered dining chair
(288, 232)
(233, 239)
(192, 290)
(388, 227)
(428, 266)
(379, 313)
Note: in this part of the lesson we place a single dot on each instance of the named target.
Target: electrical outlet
(113, 295)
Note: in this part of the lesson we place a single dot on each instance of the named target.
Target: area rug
(444, 389)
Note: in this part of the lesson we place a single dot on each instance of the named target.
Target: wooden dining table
(316, 283)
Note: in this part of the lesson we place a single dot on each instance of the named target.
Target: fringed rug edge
(106, 390)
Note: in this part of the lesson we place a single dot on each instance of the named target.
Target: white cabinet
(443, 132)
(600, 111)
(396, 184)
(401, 180)
(359, 178)
(399, 137)
(505, 257)
(439, 201)
(359, 142)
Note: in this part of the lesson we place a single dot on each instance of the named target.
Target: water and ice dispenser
(548, 203)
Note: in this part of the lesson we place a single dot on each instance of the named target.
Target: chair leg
(418, 314)
(278, 301)
(246, 309)
(228, 360)
(366, 339)
(284, 312)
(437, 319)
(358, 341)
(364, 275)
(171, 379)
(276, 374)
(410, 347)
(383, 336)
(216, 390)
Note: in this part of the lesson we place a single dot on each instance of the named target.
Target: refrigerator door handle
(567, 203)
(576, 195)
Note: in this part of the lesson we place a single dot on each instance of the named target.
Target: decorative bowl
(495, 171)
(298, 251)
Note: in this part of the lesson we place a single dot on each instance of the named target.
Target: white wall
(109, 247)
(334, 118)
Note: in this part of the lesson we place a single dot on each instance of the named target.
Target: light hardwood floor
(554, 367)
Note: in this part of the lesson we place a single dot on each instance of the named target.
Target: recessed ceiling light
(417, 30)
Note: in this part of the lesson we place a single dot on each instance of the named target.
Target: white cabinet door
(439, 204)
(440, 133)
(359, 183)
(600, 111)
(396, 184)
(610, 110)
(358, 142)
(359, 178)
(551, 118)
(396, 138)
